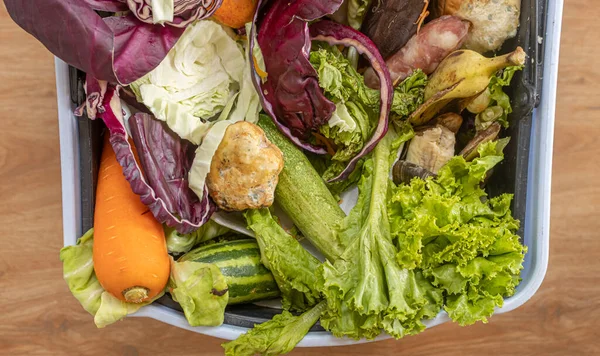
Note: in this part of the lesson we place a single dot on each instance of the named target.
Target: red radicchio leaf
(163, 186)
(336, 34)
(107, 5)
(184, 11)
(291, 94)
(115, 49)
(166, 163)
(95, 91)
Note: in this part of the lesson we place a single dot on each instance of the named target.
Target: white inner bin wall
(537, 219)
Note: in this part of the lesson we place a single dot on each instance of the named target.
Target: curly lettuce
(463, 241)
(353, 120)
(292, 266)
(277, 336)
(409, 94)
(366, 289)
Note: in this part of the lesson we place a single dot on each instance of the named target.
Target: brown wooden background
(39, 316)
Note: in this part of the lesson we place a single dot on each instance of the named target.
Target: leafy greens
(277, 336)
(195, 81)
(113, 48)
(292, 266)
(366, 289)
(465, 243)
(201, 290)
(498, 98)
(78, 272)
(357, 107)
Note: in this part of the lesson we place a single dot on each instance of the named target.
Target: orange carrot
(130, 252)
(235, 13)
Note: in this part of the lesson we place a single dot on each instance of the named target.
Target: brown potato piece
(245, 169)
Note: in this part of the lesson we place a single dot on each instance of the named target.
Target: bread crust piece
(245, 169)
(494, 21)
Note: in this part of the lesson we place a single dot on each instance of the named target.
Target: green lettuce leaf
(366, 289)
(354, 119)
(498, 97)
(409, 94)
(292, 266)
(277, 336)
(201, 290)
(178, 243)
(78, 272)
(464, 242)
(357, 108)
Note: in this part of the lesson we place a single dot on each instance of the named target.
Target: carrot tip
(135, 294)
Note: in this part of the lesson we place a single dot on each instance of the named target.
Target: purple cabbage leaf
(118, 49)
(291, 93)
(182, 14)
(166, 161)
(161, 182)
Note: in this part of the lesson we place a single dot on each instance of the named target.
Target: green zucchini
(300, 190)
(239, 261)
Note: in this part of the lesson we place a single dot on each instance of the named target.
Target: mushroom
(451, 121)
(404, 172)
(431, 148)
(470, 151)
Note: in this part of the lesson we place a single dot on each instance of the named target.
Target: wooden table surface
(38, 315)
